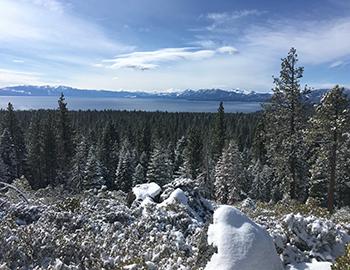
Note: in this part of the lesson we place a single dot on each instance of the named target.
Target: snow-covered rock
(177, 196)
(241, 243)
(143, 191)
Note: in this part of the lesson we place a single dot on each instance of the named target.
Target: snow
(241, 243)
(149, 190)
(315, 265)
(177, 196)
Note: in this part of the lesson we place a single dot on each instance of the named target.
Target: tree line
(118, 149)
(292, 149)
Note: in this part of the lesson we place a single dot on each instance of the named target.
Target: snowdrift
(241, 243)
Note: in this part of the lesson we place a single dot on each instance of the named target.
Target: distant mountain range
(200, 95)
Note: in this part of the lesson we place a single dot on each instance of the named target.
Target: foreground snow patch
(241, 243)
(315, 265)
(149, 190)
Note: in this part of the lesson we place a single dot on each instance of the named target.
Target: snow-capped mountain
(201, 94)
(189, 94)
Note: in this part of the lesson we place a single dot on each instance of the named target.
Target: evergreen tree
(259, 142)
(8, 157)
(93, 175)
(139, 175)
(328, 128)
(285, 120)
(125, 168)
(262, 182)
(50, 164)
(11, 123)
(219, 132)
(65, 139)
(343, 181)
(5, 175)
(179, 155)
(160, 166)
(35, 153)
(193, 160)
(80, 162)
(229, 175)
(108, 152)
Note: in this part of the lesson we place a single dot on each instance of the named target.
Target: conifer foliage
(285, 121)
(229, 175)
(328, 130)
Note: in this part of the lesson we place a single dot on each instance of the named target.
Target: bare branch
(20, 193)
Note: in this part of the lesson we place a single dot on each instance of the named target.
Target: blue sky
(163, 45)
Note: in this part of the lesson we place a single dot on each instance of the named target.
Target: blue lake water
(130, 104)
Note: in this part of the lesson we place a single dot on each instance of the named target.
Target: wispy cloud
(225, 21)
(18, 61)
(50, 26)
(336, 64)
(317, 42)
(13, 77)
(151, 59)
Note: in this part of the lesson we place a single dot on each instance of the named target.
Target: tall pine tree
(219, 132)
(285, 120)
(65, 140)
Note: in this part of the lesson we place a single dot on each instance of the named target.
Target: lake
(130, 104)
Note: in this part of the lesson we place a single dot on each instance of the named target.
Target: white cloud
(50, 27)
(151, 59)
(18, 61)
(13, 77)
(317, 42)
(227, 49)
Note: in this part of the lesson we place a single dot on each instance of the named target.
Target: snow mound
(177, 196)
(315, 265)
(149, 190)
(241, 243)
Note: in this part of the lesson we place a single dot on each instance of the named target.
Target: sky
(167, 45)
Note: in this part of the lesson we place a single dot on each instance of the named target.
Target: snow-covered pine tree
(262, 181)
(193, 155)
(179, 156)
(160, 166)
(93, 175)
(284, 123)
(10, 122)
(139, 175)
(328, 128)
(79, 163)
(125, 168)
(229, 175)
(8, 158)
(108, 152)
(319, 178)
